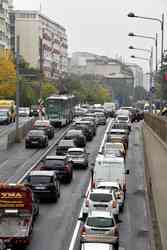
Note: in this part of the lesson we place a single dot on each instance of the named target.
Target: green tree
(48, 89)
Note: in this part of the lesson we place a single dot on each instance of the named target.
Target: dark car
(34, 111)
(90, 126)
(4, 116)
(85, 130)
(46, 126)
(79, 157)
(93, 120)
(61, 165)
(44, 184)
(36, 138)
(63, 146)
(101, 119)
(77, 136)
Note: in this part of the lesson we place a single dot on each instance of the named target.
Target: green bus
(59, 109)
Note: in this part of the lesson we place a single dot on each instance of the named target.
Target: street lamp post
(161, 21)
(150, 68)
(156, 45)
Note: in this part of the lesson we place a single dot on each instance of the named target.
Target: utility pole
(40, 66)
(17, 87)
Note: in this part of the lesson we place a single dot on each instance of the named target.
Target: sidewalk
(156, 153)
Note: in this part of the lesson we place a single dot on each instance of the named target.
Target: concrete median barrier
(8, 138)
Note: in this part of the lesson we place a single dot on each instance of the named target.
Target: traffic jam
(106, 194)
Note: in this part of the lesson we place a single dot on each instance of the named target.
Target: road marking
(76, 230)
(3, 164)
(77, 226)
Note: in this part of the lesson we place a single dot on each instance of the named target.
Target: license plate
(34, 142)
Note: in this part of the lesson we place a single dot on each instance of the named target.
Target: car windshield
(100, 222)
(101, 197)
(38, 179)
(36, 133)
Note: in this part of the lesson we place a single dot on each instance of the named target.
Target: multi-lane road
(54, 228)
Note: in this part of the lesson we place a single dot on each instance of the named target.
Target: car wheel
(26, 146)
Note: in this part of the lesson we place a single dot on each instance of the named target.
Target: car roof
(66, 143)
(117, 129)
(108, 184)
(41, 173)
(55, 157)
(111, 158)
(100, 191)
(99, 213)
(115, 143)
(39, 122)
(76, 149)
(36, 130)
(96, 246)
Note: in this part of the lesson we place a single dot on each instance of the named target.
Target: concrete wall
(9, 138)
(158, 125)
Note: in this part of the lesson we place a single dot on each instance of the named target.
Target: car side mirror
(127, 172)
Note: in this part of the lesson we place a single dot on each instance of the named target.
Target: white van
(108, 168)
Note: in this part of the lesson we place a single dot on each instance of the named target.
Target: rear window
(40, 179)
(101, 197)
(100, 222)
(53, 163)
(36, 133)
(75, 153)
(123, 118)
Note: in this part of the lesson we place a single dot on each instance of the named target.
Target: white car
(101, 199)
(98, 242)
(110, 147)
(116, 187)
(100, 222)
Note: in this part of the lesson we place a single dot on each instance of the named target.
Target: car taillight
(83, 230)
(92, 184)
(67, 168)
(116, 232)
(43, 168)
(124, 187)
(114, 204)
(87, 203)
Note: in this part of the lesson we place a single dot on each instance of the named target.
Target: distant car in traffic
(61, 165)
(78, 156)
(101, 199)
(77, 136)
(5, 117)
(45, 126)
(36, 138)
(63, 146)
(44, 184)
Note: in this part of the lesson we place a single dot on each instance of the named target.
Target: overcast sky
(102, 26)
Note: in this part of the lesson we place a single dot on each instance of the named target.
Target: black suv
(36, 138)
(61, 165)
(44, 184)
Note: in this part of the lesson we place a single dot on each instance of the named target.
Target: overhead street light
(141, 58)
(161, 21)
(156, 44)
(140, 49)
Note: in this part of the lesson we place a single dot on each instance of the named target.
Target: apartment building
(5, 6)
(137, 74)
(40, 39)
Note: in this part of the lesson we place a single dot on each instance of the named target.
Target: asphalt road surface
(54, 228)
